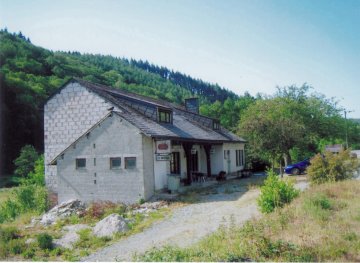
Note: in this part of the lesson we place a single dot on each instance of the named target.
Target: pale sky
(243, 45)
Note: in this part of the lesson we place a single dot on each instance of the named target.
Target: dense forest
(29, 74)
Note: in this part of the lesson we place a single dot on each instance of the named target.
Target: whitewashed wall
(68, 115)
(113, 138)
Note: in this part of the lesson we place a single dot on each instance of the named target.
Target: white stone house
(103, 143)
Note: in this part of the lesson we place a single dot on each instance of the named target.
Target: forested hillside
(29, 74)
(293, 122)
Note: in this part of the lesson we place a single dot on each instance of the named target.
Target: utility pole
(346, 129)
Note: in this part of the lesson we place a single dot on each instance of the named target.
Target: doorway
(194, 162)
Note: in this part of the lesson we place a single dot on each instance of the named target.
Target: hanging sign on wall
(163, 146)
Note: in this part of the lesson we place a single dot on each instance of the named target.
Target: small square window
(80, 163)
(165, 116)
(130, 162)
(115, 163)
(216, 125)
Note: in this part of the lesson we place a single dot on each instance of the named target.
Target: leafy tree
(290, 123)
(26, 160)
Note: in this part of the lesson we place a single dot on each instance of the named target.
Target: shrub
(275, 193)
(44, 241)
(37, 176)
(23, 199)
(32, 197)
(98, 210)
(26, 160)
(16, 246)
(9, 210)
(8, 233)
(332, 167)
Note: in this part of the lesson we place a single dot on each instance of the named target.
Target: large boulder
(62, 210)
(110, 225)
(70, 237)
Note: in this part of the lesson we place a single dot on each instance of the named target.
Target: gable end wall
(67, 116)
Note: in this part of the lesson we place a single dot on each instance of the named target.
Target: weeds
(288, 234)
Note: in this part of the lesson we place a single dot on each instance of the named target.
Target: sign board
(163, 146)
(163, 157)
(335, 148)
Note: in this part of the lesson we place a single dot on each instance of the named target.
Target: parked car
(297, 168)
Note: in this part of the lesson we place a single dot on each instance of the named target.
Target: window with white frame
(240, 160)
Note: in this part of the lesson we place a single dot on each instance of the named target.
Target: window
(165, 116)
(216, 125)
(115, 163)
(240, 158)
(80, 163)
(130, 162)
(175, 163)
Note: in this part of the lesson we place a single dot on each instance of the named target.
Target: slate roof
(186, 125)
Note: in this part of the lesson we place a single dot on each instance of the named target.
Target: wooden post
(207, 148)
(187, 148)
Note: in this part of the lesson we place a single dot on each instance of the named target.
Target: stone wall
(67, 116)
(114, 137)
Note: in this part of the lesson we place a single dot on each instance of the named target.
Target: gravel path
(190, 223)
(228, 201)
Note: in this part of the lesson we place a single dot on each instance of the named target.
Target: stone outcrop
(70, 237)
(62, 210)
(110, 225)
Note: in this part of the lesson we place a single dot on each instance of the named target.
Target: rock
(110, 225)
(148, 207)
(62, 210)
(29, 241)
(70, 237)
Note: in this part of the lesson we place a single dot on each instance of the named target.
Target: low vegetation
(276, 193)
(36, 243)
(331, 167)
(322, 224)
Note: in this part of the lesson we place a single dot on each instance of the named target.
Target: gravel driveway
(190, 223)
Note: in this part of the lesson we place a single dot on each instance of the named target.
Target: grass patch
(320, 225)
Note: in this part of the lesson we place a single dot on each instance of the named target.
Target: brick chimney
(192, 105)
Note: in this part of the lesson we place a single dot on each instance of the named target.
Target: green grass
(322, 224)
(5, 193)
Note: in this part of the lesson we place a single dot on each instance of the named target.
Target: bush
(275, 193)
(26, 160)
(9, 210)
(16, 246)
(8, 233)
(24, 199)
(37, 176)
(44, 241)
(332, 167)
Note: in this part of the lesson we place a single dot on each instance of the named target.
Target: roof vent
(192, 105)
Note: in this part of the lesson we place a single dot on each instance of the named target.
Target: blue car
(297, 168)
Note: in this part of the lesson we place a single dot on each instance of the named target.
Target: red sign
(163, 146)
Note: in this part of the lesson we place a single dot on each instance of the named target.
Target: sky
(243, 45)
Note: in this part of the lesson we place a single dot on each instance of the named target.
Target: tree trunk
(287, 158)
